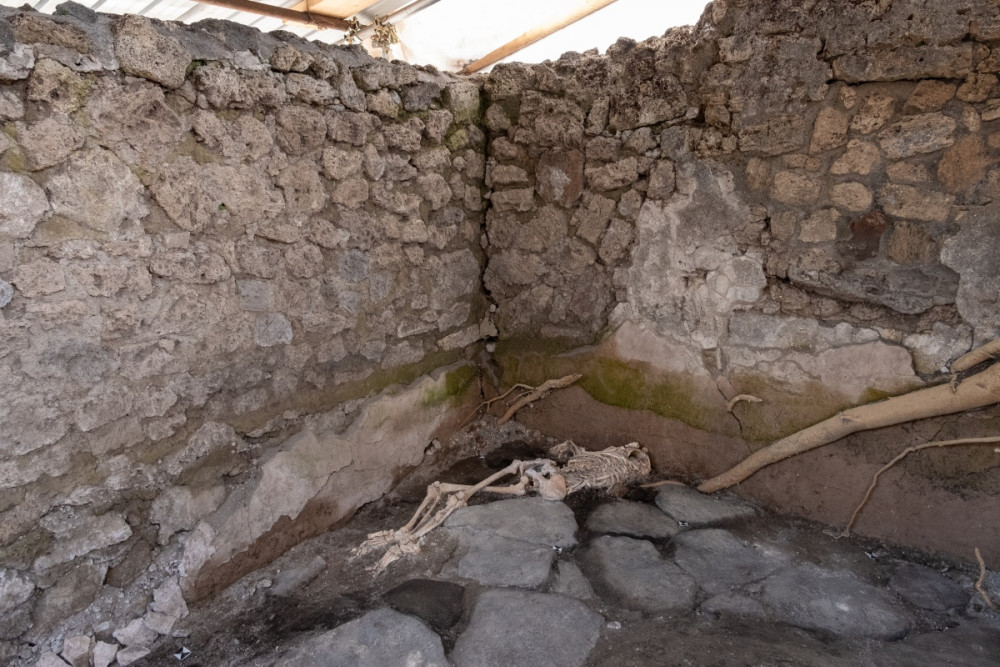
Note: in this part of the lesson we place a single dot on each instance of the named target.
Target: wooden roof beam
(312, 19)
(541, 32)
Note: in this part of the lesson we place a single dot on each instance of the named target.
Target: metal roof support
(541, 32)
(318, 21)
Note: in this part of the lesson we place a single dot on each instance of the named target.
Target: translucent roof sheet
(445, 33)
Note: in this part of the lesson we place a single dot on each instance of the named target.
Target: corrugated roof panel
(445, 33)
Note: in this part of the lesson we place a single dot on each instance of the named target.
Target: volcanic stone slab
(527, 519)
(571, 582)
(498, 561)
(634, 572)
(923, 587)
(733, 603)
(839, 603)
(437, 602)
(719, 560)
(379, 638)
(510, 627)
(631, 518)
(686, 505)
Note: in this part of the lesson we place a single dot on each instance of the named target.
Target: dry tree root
(984, 353)
(531, 395)
(899, 457)
(536, 393)
(979, 581)
(977, 391)
(749, 398)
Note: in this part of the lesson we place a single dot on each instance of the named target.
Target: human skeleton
(570, 469)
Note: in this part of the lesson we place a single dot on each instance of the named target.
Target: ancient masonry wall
(792, 200)
(211, 240)
(242, 276)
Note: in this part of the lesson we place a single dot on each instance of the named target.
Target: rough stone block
(925, 133)
(272, 329)
(39, 278)
(635, 573)
(632, 519)
(854, 197)
(613, 176)
(929, 96)
(795, 189)
(516, 627)
(95, 189)
(22, 207)
(816, 599)
(104, 654)
(719, 560)
(15, 588)
(687, 505)
(876, 111)
(462, 100)
(17, 63)
(559, 176)
(906, 201)
(381, 637)
(860, 158)
(905, 63)
(830, 130)
(820, 226)
(49, 141)
(142, 51)
(76, 650)
(35, 27)
(963, 165)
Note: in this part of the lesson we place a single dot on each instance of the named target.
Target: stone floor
(661, 577)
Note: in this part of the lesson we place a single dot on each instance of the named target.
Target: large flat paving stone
(498, 561)
(527, 519)
(379, 638)
(635, 573)
(687, 505)
(923, 587)
(719, 560)
(522, 628)
(439, 603)
(839, 603)
(626, 517)
(570, 581)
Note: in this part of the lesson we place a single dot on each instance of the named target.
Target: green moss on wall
(322, 400)
(638, 386)
(616, 382)
(456, 383)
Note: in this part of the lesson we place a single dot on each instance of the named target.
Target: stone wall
(793, 200)
(217, 247)
(243, 277)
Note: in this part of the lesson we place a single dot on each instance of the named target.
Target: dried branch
(979, 581)
(977, 391)
(987, 352)
(749, 398)
(530, 394)
(537, 393)
(902, 455)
